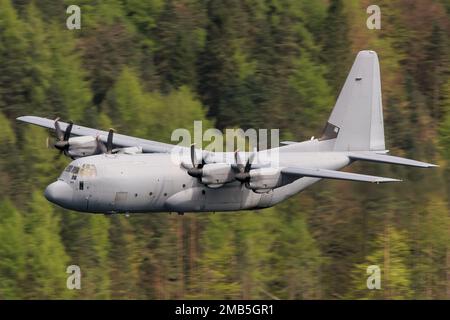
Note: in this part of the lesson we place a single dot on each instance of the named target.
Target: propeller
(243, 174)
(109, 142)
(62, 142)
(196, 170)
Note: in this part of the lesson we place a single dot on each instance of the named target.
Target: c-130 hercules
(141, 175)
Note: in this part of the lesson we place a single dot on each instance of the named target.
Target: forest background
(147, 67)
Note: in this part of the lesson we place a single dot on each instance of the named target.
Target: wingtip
(387, 180)
(25, 118)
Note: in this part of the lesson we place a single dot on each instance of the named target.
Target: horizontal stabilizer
(383, 158)
(331, 174)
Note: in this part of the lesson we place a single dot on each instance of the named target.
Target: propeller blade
(193, 156)
(243, 175)
(101, 145)
(109, 141)
(250, 159)
(195, 172)
(68, 131)
(59, 133)
(62, 138)
(186, 166)
(61, 145)
(238, 161)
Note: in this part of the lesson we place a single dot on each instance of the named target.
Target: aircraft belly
(202, 198)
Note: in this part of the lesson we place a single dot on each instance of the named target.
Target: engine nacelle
(217, 174)
(83, 146)
(264, 179)
(129, 150)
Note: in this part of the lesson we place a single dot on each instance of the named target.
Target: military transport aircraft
(114, 173)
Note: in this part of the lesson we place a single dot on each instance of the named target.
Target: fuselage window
(69, 168)
(81, 185)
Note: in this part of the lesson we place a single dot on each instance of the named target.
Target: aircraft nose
(59, 193)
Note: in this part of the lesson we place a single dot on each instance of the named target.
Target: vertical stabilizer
(357, 117)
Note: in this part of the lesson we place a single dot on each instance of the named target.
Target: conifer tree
(391, 255)
(336, 44)
(12, 251)
(13, 72)
(46, 258)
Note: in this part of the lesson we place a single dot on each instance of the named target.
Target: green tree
(69, 92)
(152, 115)
(7, 146)
(128, 104)
(432, 246)
(313, 93)
(46, 258)
(125, 260)
(301, 268)
(37, 62)
(12, 251)
(41, 165)
(336, 43)
(391, 255)
(13, 75)
(180, 38)
(88, 245)
(444, 129)
(218, 264)
(255, 241)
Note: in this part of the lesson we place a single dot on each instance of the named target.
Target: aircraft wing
(384, 158)
(332, 174)
(120, 140)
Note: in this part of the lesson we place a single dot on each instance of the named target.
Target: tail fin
(357, 118)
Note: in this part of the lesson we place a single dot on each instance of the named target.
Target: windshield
(69, 173)
(88, 170)
(72, 172)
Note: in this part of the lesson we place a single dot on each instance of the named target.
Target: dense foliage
(146, 67)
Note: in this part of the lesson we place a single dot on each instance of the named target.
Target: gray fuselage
(122, 183)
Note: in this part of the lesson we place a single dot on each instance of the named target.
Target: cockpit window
(88, 170)
(72, 171)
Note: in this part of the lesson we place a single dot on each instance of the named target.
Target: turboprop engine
(217, 174)
(254, 177)
(264, 179)
(77, 147)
